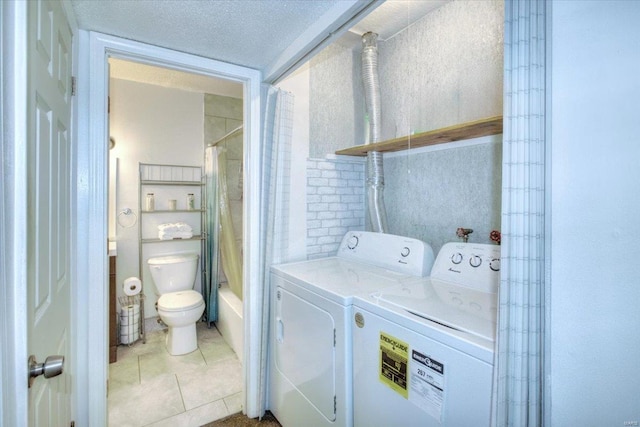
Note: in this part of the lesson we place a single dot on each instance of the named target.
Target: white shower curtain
(221, 241)
(229, 251)
(276, 169)
(518, 376)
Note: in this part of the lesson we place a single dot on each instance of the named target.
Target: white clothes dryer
(423, 350)
(310, 336)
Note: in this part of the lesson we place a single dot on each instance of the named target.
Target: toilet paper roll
(130, 310)
(132, 286)
(130, 314)
(129, 335)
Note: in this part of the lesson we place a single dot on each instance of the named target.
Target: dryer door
(305, 350)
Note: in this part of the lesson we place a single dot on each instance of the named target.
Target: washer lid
(448, 304)
(179, 301)
(338, 279)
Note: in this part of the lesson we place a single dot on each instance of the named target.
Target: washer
(310, 336)
(423, 350)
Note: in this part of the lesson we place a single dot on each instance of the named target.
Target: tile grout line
(207, 363)
(180, 390)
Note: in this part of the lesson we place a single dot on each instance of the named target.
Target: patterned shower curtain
(276, 155)
(519, 368)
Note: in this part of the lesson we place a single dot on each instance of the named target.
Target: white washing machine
(310, 337)
(423, 350)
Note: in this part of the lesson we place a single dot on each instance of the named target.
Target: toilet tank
(173, 273)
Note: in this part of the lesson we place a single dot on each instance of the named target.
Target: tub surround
(230, 320)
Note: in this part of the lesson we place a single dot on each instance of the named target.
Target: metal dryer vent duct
(375, 171)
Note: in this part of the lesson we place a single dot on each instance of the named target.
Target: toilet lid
(179, 301)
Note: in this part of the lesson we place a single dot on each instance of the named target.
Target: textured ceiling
(267, 35)
(394, 16)
(252, 33)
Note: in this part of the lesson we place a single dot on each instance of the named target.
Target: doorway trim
(14, 403)
(92, 204)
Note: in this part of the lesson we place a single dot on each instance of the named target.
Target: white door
(49, 207)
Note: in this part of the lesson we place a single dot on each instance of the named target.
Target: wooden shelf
(475, 129)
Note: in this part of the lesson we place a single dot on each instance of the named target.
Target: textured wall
(443, 70)
(336, 104)
(429, 195)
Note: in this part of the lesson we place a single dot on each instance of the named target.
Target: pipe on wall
(375, 170)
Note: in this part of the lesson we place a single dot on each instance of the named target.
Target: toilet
(179, 306)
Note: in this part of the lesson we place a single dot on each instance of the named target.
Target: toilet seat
(180, 301)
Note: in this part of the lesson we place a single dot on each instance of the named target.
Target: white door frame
(92, 233)
(14, 403)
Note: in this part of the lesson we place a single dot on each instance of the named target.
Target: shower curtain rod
(236, 130)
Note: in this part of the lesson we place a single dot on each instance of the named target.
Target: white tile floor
(149, 387)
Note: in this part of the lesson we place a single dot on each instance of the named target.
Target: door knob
(52, 367)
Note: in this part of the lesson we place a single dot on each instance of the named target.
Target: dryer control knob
(456, 258)
(405, 252)
(475, 261)
(495, 264)
(352, 242)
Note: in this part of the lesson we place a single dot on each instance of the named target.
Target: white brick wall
(335, 203)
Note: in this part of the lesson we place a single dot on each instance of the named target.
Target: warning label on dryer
(394, 360)
(427, 384)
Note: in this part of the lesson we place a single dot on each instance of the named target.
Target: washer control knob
(495, 264)
(456, 258)
(405, 252)
(475, 261)
(352, 242)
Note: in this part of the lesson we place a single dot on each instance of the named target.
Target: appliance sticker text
(427, 384)
(394, 359)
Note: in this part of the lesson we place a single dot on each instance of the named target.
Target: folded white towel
(183, 227)
(175, 226)
(165, 227)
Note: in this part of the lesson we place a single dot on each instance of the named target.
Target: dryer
(423, 349)
(310, 355)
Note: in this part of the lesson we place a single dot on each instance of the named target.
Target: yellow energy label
(394, 359)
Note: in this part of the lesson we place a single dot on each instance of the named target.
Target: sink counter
(113, 248)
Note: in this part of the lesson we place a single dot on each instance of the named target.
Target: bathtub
(230, 322)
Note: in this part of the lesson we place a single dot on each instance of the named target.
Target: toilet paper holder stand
(130, 318)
